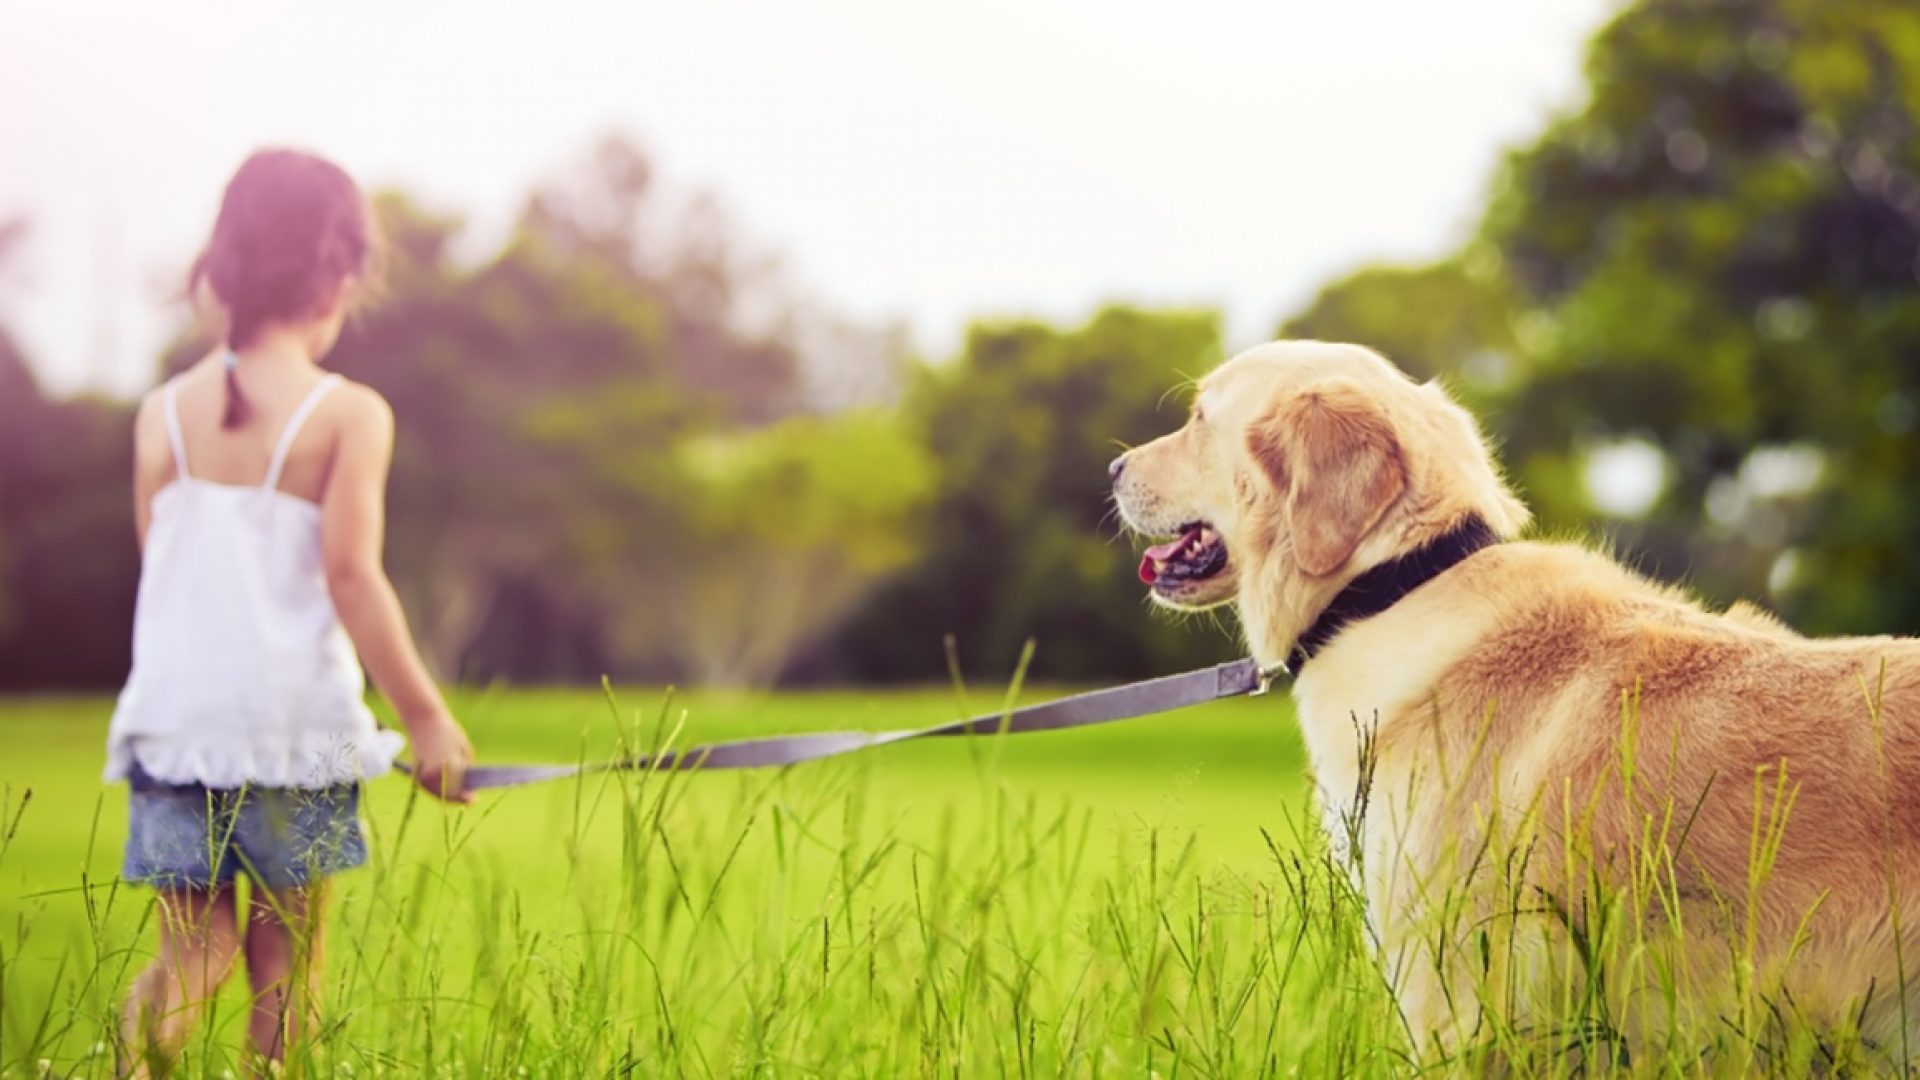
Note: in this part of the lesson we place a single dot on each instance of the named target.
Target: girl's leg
(198, 943)
(285, 928)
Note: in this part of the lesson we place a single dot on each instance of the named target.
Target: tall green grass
(1155, 899)
(1092, 904)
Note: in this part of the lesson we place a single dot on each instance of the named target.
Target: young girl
(259, 485)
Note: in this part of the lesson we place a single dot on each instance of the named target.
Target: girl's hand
(441, 754)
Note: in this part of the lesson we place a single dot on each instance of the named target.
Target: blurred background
(774, 343)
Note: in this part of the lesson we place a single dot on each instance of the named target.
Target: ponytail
(237, 409)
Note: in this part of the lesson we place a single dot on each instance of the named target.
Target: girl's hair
(292, 228)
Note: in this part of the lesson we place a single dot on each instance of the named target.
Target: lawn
(1142, 899)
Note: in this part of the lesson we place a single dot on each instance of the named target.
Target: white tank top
(242, 673)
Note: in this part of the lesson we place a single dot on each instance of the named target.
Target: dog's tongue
(1159, 553)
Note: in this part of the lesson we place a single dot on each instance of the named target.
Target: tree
(67, 561)
(790, 526)
(1446, 319)
(19, 398)
(20, 405)
(68, 565)
(1716, 256)
(551, 509)
(536, 405)
(1721, 248)
(1022, 542)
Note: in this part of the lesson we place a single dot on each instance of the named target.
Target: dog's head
(1303, 465)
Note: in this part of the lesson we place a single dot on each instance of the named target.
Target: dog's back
(1760, 790)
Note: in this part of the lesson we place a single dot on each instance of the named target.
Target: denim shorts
(191, 836)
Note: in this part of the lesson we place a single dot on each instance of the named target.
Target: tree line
(629, 447)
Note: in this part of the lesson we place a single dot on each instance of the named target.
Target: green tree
(551, 515)
(1448, 319)
(19, 397)
(20, 405)
(68, 564)
(535, 404)
(67, 560)
(1022, 543)
(790, 526)
(719, 302)
(1715, 255)
(1721, 250)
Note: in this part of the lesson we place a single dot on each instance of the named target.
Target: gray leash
(1239, 679)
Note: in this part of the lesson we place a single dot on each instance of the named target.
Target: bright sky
(914, 161)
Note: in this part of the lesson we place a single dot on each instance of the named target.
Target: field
(1137, 900)
(1147, 899)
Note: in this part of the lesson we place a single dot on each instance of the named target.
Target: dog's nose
(1116, 467)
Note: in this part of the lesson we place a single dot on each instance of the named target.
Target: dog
(1530, 737)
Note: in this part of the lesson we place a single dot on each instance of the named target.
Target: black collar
(1382, 587)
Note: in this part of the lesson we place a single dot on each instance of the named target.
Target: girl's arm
(353, 528)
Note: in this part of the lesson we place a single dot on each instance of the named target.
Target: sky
(912, 162)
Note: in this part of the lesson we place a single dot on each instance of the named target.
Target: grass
(1097, 903)
(1148, 899)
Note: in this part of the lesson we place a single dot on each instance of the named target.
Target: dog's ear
(1338, 466)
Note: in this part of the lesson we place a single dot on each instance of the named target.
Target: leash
(1242, 678)
(1365, 596)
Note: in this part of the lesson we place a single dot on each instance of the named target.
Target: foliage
(802, 518)
(1715, 255)
(1022, 545)
(549, 402)
(1712, 257)
(1725, 243)
(67, 559)
(1449, 318)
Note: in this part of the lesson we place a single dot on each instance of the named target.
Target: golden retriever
(1534, 754)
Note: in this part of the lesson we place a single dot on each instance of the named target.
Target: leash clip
(1270, 674)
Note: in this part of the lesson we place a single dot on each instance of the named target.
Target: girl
(259, 486)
